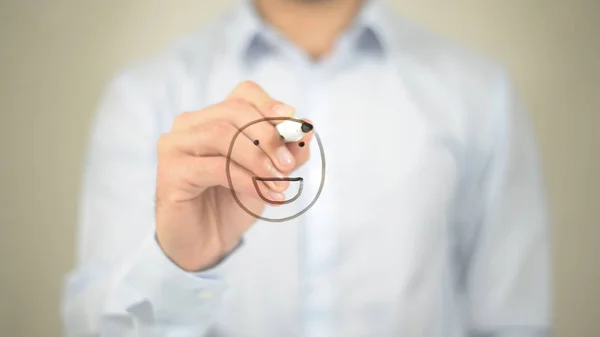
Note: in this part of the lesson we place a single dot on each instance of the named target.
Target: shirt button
(205, 294)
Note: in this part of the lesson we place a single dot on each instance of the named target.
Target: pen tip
(306, 127)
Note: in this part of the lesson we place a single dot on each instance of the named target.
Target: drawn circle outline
(229, 180)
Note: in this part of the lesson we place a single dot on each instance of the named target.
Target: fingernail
(283, 110)
(277, 174)
(275, 196)
(284, 156)
(274, 185)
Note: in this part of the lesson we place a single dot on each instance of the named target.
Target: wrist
(196, 258)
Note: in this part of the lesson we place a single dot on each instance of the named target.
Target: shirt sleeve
(123, 284)
(505, 223)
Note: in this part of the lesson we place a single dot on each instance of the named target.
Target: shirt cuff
(214, 272)
(168, 293)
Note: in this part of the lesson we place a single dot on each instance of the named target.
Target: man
(431, 221)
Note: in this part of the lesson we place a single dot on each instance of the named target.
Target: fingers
(263, 102)
(258, 149)
(214, 135)
(240, 113)
(204, 172)
(214, 139)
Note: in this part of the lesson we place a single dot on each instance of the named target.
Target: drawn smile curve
(255, 180)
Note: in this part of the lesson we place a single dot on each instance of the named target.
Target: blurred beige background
(56, 56)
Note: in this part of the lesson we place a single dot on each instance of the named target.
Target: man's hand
(197, 219)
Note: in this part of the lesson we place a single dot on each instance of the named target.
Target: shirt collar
(248, 33)
(375, 25)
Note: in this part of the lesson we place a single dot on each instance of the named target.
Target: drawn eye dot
(301, 144)
(256, 142)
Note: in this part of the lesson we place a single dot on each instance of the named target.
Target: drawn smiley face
(292, 179)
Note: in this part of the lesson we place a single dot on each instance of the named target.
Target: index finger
(263, 102)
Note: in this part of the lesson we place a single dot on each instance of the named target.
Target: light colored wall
(56, 56)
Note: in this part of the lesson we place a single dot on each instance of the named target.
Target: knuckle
(236, 104)
(219, 129)
(163, 144)
(181, 120)
(195, 141)
(167, 173)
(248, 85)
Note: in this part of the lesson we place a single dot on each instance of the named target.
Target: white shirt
(432, 219)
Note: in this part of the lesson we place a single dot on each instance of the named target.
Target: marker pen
(292, 131)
